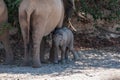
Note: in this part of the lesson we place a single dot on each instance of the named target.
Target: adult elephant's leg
(9, 53)
(26, 50)
(37, 35)
(25, 34)
(42, 50)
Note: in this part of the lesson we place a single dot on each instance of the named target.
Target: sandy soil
(94, 64)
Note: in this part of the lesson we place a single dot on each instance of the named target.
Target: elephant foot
(76, 57)
(36, 65)
(43, 61)
(51, 60)
(63, 61)
(55, 62)
(68, 61)
(26, 63)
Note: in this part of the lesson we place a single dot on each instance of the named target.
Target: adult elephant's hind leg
(26, 50)
(25, 34)
(37, 37)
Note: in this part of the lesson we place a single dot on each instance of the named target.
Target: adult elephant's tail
(28, 19)
(25, 19)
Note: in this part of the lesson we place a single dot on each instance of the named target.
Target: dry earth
(94, 64)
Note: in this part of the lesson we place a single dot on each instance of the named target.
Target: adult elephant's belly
(55, 18)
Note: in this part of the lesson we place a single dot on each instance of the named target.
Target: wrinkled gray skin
(4, 36)
(63, 42)
(37, 19)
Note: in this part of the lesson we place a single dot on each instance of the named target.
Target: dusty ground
(94, 64)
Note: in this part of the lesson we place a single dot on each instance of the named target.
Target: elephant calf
(4, 33)
(62, 40)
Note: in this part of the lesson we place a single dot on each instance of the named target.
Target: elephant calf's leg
(66, 55)
(63, 50)
(52, 54)
(75, 55)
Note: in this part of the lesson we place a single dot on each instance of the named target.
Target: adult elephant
(4, 33)
(37, 19)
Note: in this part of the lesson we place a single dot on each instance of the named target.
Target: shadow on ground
(107, 58)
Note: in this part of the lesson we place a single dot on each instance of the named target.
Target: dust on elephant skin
(37, 19)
